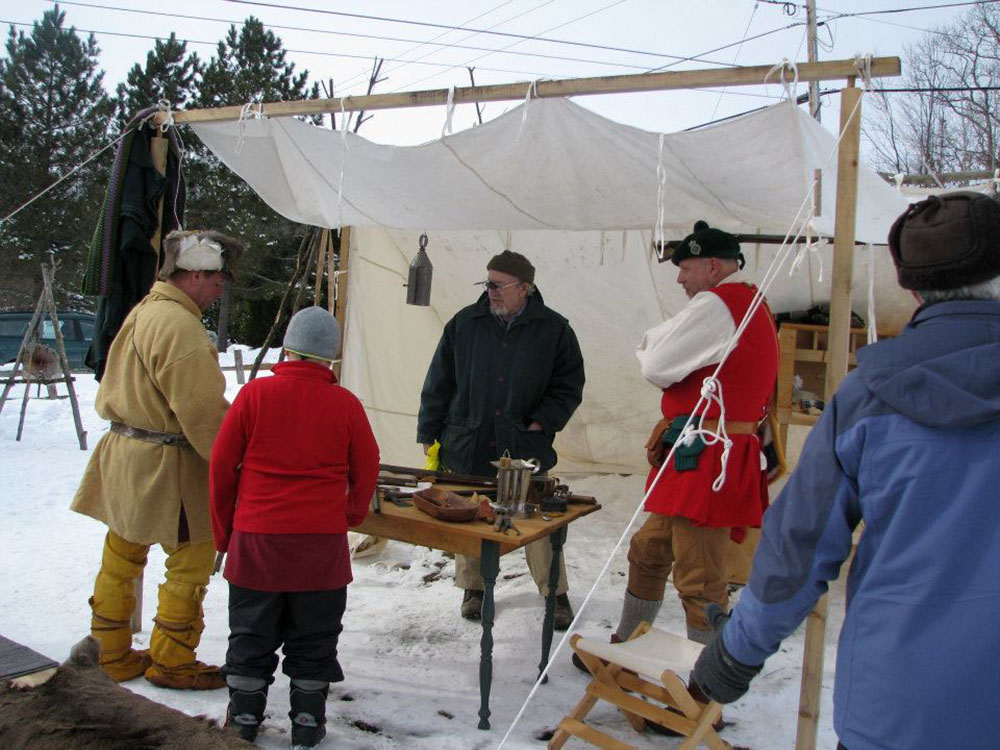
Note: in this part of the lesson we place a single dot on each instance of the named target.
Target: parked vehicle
(77, 332)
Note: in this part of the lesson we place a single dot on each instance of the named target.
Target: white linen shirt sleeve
(695, 337)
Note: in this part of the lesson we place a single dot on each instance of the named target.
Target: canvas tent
(576, 193)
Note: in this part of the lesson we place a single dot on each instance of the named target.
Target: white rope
(809, 246)
(661, 182)
(168, 115)
(66, 176)
(802, 218)
(863, 64)
(779, 70)
(343, 168)
(872, 332)
(446, 128)
(165, 126)
(532, 89)
(253, 109)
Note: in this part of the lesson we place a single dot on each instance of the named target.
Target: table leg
(489, 567)
(557, 538)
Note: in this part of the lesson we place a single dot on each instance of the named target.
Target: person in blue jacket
(909, 446)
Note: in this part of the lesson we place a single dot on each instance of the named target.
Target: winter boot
(247, 701)
(563, 616)
(308, 703)
(112, 605)
(472, 604)
(177, 631)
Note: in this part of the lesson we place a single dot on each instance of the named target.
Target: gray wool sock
(310, 685)
(699, 636)
(246, 684)
(634, 611)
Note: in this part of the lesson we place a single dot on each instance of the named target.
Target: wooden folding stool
(646, 664)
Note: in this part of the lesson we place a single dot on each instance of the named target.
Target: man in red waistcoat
(690, 523)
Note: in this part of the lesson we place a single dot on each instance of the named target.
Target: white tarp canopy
(575, 193)
(552, 164)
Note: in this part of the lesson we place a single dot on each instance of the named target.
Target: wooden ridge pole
(685, 79)
(836, 369)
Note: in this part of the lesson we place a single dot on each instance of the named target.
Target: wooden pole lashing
(836, 368)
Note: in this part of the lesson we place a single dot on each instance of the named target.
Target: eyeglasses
(494, 285)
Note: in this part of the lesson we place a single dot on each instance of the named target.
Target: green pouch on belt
(686, 456)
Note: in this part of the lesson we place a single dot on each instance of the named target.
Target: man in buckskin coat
(147, 480)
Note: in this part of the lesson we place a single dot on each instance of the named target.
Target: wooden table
(477, 539)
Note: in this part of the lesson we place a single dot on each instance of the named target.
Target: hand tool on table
(399, 499)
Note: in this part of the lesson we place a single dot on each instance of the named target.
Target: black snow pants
(306, 623)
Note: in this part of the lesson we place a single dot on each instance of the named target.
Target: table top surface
(409, 524)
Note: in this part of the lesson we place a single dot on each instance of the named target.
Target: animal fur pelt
(81, 708)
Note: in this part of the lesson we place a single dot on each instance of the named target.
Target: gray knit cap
(313, 332)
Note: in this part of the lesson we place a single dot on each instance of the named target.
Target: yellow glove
(432, 457)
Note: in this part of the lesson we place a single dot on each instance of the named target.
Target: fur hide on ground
(81, 708)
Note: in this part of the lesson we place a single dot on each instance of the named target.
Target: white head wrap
(199, 253)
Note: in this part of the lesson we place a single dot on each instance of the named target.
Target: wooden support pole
(836, 368)
(238, 361)
(664, 81)
(340, 312)
(324, 240)
(331, 275)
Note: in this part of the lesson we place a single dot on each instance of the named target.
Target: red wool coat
(747, 379)
(295, 455)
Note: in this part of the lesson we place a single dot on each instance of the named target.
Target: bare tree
(947, 121)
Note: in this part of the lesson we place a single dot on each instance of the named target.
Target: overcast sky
(568, 38)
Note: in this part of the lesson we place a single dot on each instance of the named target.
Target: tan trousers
(538, 555)
(697, 555)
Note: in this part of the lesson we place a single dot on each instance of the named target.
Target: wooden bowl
(446, 506)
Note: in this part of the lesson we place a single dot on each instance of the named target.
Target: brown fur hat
(199, 250)
(947, 241)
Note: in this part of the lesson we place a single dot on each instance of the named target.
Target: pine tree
(170, 75)
(249, 66)
(54, 115)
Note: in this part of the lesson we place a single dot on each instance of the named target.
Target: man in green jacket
(506, 377)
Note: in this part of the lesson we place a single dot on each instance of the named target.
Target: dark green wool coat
(486, 383)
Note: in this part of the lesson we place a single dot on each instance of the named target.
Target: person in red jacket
(293, 467)
(691, 515)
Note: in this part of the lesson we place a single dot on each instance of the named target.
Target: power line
(357, 35)
(882, 12)
(538, 36)
(508, 34)
(287, 49)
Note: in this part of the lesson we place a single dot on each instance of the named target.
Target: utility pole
(811, 51)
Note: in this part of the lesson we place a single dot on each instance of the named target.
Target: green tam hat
(706, 242)
(513, 263)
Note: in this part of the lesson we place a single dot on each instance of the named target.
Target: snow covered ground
(411, 662)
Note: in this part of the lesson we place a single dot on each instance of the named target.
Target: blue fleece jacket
(909, 445)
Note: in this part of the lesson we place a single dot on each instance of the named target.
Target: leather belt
(732, 428)
(151, 436)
